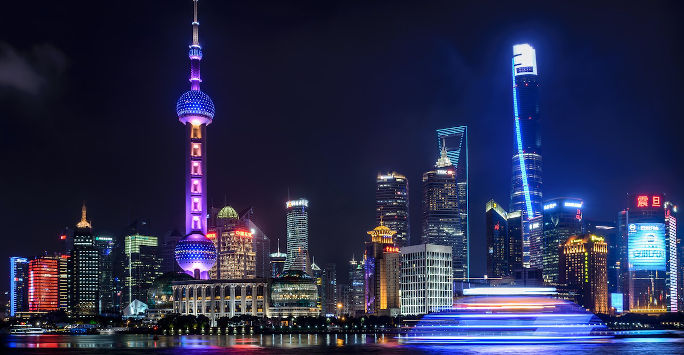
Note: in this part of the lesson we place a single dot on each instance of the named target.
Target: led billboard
(646, 244)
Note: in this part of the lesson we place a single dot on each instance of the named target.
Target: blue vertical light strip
(521, 158)
(13, 297)
(465, 134)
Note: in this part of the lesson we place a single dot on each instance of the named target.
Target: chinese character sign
(646, 244)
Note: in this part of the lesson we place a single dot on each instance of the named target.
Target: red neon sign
(211, 235)
(642, 201)
(62, 237)
(243, 233)
(389, 249)
(656, 201)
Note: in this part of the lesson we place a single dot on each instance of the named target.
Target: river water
(310, 344)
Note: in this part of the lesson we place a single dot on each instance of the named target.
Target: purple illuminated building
(195, 253)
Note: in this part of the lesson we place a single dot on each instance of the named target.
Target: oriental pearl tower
(195, 253)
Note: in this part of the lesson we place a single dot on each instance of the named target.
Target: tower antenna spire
(195, 26)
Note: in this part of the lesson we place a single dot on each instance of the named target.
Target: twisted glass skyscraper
(526, 183)
(526, 187)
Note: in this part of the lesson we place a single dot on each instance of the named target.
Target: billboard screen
(646, 244)
(616, 302)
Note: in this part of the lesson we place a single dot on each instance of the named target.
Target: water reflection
(293, 343)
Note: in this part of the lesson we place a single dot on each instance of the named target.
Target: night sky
(318, 97)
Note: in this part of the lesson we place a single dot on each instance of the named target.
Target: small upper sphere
(195, 103)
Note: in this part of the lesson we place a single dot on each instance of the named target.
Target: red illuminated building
(43, 290)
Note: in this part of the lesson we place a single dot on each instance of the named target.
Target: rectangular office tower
(644, 225)
(583, 269)
(298, 236)
(562, 219)
(455, 141)
(18, 285)
(526, 182)
(498, 246)
(426, 279)
(392, 205)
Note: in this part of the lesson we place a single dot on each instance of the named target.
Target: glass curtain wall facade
(498, 246)
(392, 205)
(441, 214)
(562, 219)
(526, 183)
(298, 236)
(455, 141)
(85, 270)
(19, 268)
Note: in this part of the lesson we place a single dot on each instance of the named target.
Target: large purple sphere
(195, 252)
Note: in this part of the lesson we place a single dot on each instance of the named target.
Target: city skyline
(109, 212)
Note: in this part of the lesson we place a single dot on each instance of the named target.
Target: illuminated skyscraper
(19, 268)
(261, 244)
(498, 246)
(195, 254)
(441, 213)
(329, 296)
(582, 267)
(392, 205)
(562, 219)
(647, 250)
(355, 295)
(608, 231)
(526, 183)
(234, 246)
(43, 284)
(105, 246)
(672, 256)
(142, 267)
(515, 240)
(277, 262)
(298, 236)
(84, 270)
(455, 142)
(381, 261)
(426, 284)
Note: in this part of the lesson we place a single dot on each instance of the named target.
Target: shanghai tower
(526, 183)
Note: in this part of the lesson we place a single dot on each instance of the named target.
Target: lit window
(196, 187)
(196, 223)
(196, 132)
(196, 204)
(196, 150)
(196, 168)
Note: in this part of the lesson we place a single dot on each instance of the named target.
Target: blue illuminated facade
(526, 183)
(195, 103)
(18, 285)
(562, 218)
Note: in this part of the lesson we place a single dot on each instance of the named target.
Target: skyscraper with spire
(196, 253)
(85, 270)
(526, 182)
(441, 213)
